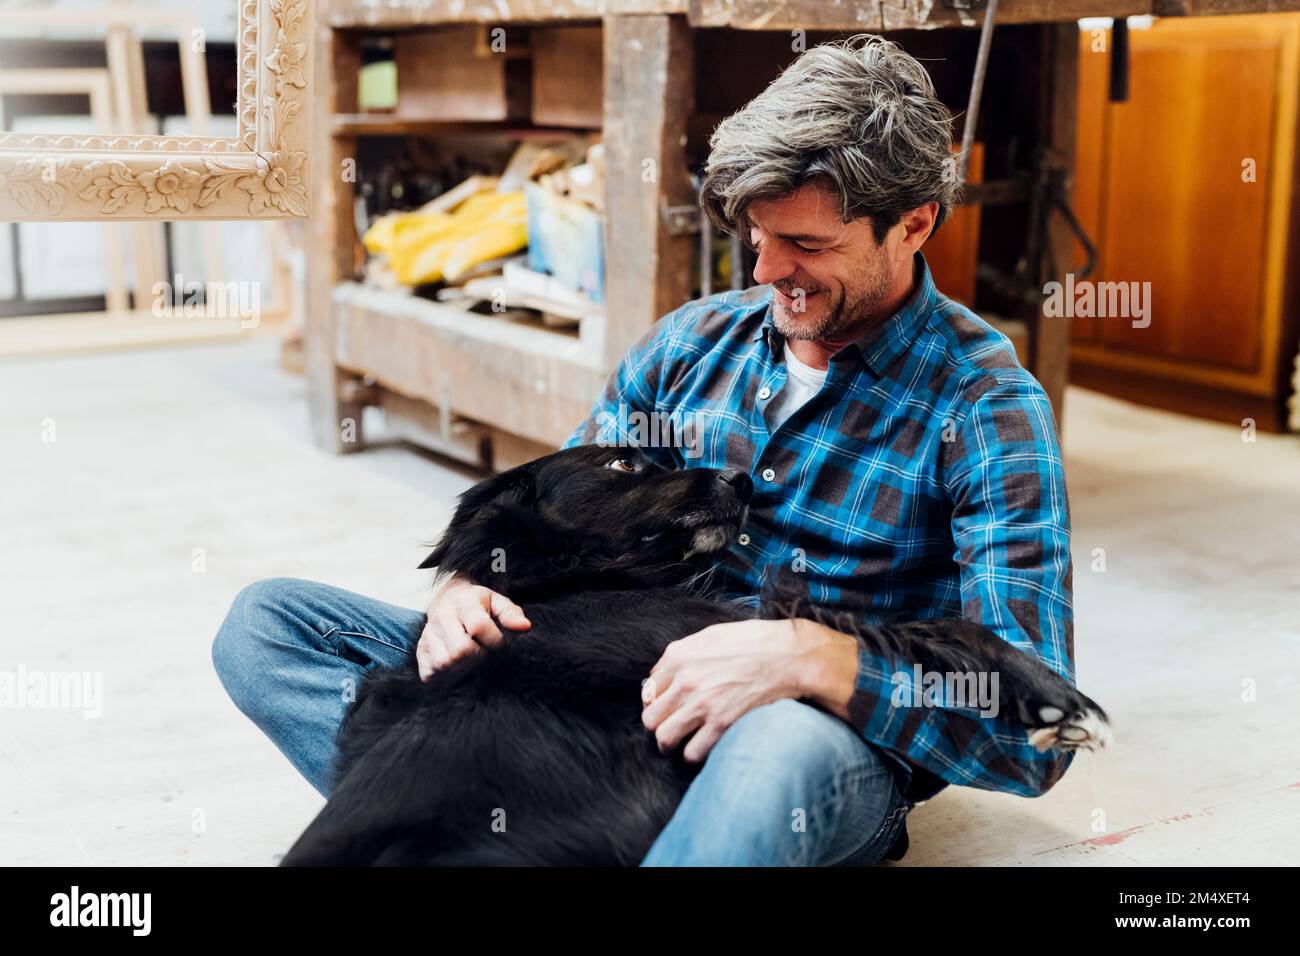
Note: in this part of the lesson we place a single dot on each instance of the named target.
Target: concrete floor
(167, 461)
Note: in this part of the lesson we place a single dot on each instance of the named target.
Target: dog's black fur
(533, 752)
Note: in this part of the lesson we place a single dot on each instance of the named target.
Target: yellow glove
(426, 247)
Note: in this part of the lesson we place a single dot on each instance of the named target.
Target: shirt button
(743, 538)
(764, 392)
(769, 474)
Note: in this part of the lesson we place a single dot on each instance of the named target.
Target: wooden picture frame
(262, 173)
(95, 86)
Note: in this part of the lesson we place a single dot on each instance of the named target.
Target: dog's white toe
(1087, 730)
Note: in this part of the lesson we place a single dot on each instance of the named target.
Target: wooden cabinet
(1189, 190)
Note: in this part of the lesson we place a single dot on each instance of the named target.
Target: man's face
(830, 277)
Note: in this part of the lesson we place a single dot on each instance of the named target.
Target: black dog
(533, 752)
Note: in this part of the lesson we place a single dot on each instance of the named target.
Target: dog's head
(591, 516)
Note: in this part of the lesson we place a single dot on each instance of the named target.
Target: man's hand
(704, 683)
(462, 618)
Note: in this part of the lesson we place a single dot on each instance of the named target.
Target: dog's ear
(516, 488)
(436, 556)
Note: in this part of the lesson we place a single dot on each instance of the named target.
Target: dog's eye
(621, 464)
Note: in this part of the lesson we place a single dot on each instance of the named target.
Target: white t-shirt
(802, 383)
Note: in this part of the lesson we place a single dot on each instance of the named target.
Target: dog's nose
(740, 484)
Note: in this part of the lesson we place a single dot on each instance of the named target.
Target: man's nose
(771, 266)
(740, 483)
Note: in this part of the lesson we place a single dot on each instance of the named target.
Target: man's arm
(1010, 524)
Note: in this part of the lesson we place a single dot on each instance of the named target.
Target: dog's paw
(1085, 729)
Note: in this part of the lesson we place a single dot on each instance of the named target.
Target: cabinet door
(130, 174)
(1192, 195)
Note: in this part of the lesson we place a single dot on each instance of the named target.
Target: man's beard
(840, 317)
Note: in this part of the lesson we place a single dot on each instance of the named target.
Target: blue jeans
(786, 785)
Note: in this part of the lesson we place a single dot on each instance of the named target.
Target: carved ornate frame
(259, 174)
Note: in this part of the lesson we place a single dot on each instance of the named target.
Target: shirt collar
(881, 345)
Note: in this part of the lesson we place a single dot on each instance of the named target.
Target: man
(904, 464)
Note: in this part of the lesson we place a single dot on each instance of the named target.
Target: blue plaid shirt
(924, 480)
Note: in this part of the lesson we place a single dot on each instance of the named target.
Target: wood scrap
(453, 197)
(519, 287)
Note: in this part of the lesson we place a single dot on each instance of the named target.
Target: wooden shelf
(510, 375)
(360, 124)
(519, 379)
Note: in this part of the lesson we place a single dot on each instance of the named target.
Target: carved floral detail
(113, 183)
(36, 184)
(288, 58)
(167, 188)
(222, 175)
(286, 62)
(278, 183)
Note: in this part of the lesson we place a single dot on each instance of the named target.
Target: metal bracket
(358, 391)
(682, 220)
(996, 192)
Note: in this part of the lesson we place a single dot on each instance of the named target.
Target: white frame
(260, 174)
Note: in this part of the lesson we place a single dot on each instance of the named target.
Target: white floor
(176, 476)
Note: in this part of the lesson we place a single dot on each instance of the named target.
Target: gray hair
(858, 117)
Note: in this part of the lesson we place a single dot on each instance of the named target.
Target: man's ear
(514, 488)
(919, 225)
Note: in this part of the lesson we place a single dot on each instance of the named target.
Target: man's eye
(621, 464)
(806, 251)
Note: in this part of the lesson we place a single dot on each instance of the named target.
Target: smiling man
(904, 465)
